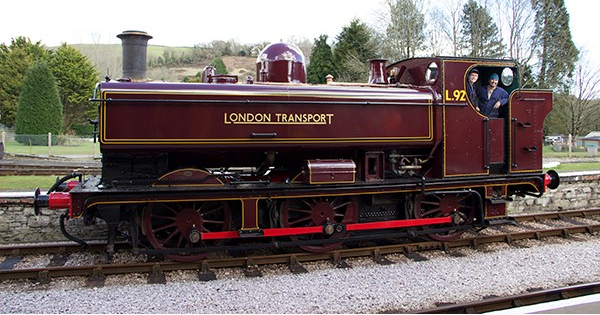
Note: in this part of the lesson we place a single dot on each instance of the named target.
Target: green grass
(24, 183)
(548, 152)
(574, 167)
(84, 147)
(158, 51)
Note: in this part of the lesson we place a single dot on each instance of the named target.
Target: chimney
(134, 45)
(377, 72)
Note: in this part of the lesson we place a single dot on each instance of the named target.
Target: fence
(49, 145)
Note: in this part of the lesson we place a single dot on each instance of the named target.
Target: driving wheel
(462, 206)
(318, 211)
(177, 225)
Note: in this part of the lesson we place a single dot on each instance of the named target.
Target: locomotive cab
(509, 143)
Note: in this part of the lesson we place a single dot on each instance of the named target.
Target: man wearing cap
(471, 89)
(491, 97)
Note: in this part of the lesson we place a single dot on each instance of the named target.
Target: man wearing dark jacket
(471, 88)
(491, 97)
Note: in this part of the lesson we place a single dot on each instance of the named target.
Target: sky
(190, 22)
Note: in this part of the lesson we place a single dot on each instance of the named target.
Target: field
(107, 60)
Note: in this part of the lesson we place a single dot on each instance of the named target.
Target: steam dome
(281, 62)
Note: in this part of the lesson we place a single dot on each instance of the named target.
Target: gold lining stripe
(482, 186)
(104, 140)
(391, 94)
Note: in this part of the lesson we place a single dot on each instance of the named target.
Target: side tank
(150, 128)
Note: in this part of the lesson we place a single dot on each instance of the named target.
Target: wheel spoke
(303, 219)
(298, 210)
(180, 241)
(431, 203)
(219, 222)
(308, 204)
(166, 241)
(168, 207)
(165, 217)
(164, 227)
(428, 214)
(463, 198)
(209, 212)
(341, 206)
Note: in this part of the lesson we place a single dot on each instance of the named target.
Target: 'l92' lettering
(457, 95)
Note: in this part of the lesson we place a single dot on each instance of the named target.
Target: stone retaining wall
(576, 191)
(18, 223)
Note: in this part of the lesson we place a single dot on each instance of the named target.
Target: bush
(85, 129)
(39, 110)
(219, 65)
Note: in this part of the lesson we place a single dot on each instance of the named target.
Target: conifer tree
(321, 62)
(480, 35)
(219, 65)
(556, 51)
(39, 110)
(75, 77)
(15, 59)
(405, 32)
(352, 51)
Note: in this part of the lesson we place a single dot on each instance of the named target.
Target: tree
(75, 78)
(321, 63)
(555, 49)
(447, 20)
(520, 17)
(14, 62)
(352, 51)
(39, 110)
(406, 29)
(304, 44)
(480, 35)
(518, 28)
(219, 65)
(576, 113)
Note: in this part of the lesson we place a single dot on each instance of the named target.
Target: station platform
(589, 304)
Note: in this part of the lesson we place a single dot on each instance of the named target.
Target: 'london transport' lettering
(278, 118)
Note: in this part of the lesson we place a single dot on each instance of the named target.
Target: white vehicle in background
(550, 140)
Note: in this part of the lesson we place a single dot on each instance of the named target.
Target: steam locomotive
(196, 167)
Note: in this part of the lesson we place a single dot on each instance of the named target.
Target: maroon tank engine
(191, 167)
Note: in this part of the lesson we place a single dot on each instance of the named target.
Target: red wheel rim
(316, 212)
(463, 206)
(168, 225)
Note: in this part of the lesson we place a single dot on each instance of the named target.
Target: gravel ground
(365, 288)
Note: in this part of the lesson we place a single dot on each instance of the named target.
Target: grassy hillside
(108, 61)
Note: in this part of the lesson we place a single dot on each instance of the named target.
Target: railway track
(252, 261)
(59, 170)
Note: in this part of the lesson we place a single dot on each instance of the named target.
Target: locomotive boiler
(273, 161)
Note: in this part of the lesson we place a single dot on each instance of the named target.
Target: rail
(155, 270)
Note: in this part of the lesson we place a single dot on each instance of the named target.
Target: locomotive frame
(193, 168)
